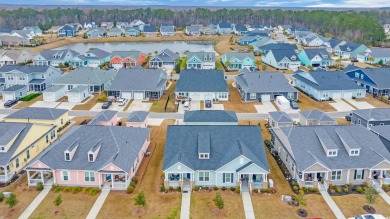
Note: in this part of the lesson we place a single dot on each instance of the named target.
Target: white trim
(203, 171)
(319, 164)
(341, 175)
(175, 164)
(251, 165)
(108, 165)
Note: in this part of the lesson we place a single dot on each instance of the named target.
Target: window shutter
(223, 177)
(231, 177)
(362, 174)
(354, 175)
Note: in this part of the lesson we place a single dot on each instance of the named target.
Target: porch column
(369, 174)
(166, 177)
(303, 176)
(348, 173)
(126, 180)
(28, 177)
(42, 177)
(380, 174)
(54, 177)
(112, 180)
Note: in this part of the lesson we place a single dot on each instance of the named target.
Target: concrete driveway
(66, 105)
(138, 105)
(360, 104)
(195, 105)
(45, 104)
(341, 106)
(215, 107)
(265, 107)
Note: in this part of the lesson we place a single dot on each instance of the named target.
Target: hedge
(30, 97)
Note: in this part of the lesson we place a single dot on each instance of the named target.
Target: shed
(15, 92)
(77, 94)
(54, 93)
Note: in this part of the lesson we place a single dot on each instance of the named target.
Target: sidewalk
(248, 207)
(384, 195)
(31, 208)
(332, 205)
(98, 204)
(185, 205)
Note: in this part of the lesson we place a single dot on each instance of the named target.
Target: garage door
(127, 95)
(347, 95)
(265, 97)
(49, 97)
(74, 99)
(138, 95)
(336, 95)
(7, 97)
(195, 96)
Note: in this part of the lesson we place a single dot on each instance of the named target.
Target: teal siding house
(379, 55)
(215, 155)
(92, 58)
(350, 50)
(315, 58)
(238, 60)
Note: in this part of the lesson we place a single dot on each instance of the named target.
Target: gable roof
(259, 82)
(380, 76)
(103, 116)
(8, 131)
(193, 28)
(167, 28)
(226, 144)
(239, 55)
(317, 115)
(240, 28)
(375, 114)
(57, 54)
(100, 54)
(322, 53)
(280, 54)
(197, 80)
(201, 56)
(334, 42)
(137, 116)
(275, 46)
(352, 46)
(15, 88)
(27, 69)
(210, 116)
(380, 52)
(86, 76)
(133, 54)
(281, 117)
(167, 56)
(225, 25)
(40, 113)
(150, 29)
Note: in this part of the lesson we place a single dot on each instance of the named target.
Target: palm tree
(371, 59)
(338, 62)
(258, 63)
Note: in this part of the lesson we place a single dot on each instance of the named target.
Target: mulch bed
(369, 209)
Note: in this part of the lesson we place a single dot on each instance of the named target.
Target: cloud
(354, 4)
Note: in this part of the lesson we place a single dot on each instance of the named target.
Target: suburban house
(107, 25)
(284, 28)
(202, 85)
(132, 31)
(261, 42)
(224, 28)
(137, 23)
(282, 59)
(375, 81)
(89, 25)
(92, 156)
(210, 117)
(114, 32)
(14, 92)
(247, 40)
(35, 78)
(276, 46)
(315, 58)
(221, 156)
(42, 115)
(55, 57)
(371, 117)
(376, 55)
(105, 118)
(139, 84)
(14, 56)
(126, 59)
(54, 30)
(336, 155)
(167, 30)
(315, 117)
(383, 133)
(281, 118)
(96, 32)
(150, 31)
(193, 30)
(208, 31)
(92, 58)
(8, 41)
(331, 44)
(328, 85)
(386, 27)
(257, 27)
(240, 30)
(238, 60)
(28, 35)
(200, 60)
(67, 31)
(164, 59)
(138, 119)
(37, 31)
(122, 25)
(312, 40)
(350, 50)
(264, 86)
(20, 144)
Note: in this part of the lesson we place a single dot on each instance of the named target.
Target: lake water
(145, 47)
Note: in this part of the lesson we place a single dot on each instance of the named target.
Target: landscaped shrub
(265, 190)
(1, 197)
(304, 189)
(170, 188)
(206, 188)
(133, 183)
(39, 186)
(295, 183)
(30, 97)
(232, 189)
(359, 189)
(331, 186)
(196, 188)
(295, 188)
(178, 189)
(365, 184)
(310, 189)
(223, 188)
(130, 189)
(238, 190)
(338, 189)
(162, 188)
(215, 188)
(256, 190)
(91, 191)
(316, 190)
(66, 189)
(76, 189)
(385, 187)
(346, 190)
(332, 191)
(134, 179)
(350, 185)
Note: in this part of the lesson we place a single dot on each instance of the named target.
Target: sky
(205, 3)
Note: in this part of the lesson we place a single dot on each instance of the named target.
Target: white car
(368, 216)
(122, 101)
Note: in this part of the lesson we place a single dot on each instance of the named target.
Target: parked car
(207, 103)
(10, 103)
(186, 105)
(294, 104)
(106, 105)
(368, 216)
(348, 117)
(122, 101)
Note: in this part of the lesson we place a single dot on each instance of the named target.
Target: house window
(286, 157)
(89, 176)
(65, 175)
(203, 156)
(20, 94)
(252, 96)
(336, 175)
(381, 123)
(356, 75)
(354, 152)
(325, 94)
(62, 121)
(290, 95)
(17, 162)
(228, 178)
(52, 134)
(21, 77)
(359, 121)
(204, 176)
(67, 156)
(90, 157)
(28, 154)
(359, 174)
(70, 87)
(332, 153)
(359, 93)
(222, 95)
(47, 138)
(362, 76)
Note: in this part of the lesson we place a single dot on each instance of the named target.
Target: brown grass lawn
(24, 104)
(159, 105)
(307, 103)
(236, 104)
(371, 100)
(352, 205)
(87, 106)
(159, 205)
(364, 65)
(201, 107)
(24, 195)
(202, 205)
(342, 121)
(73, 205)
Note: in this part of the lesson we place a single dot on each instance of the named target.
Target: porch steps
(332, 205)
(98, 204)
(31, 208)
(185, 205)
(384, 195)
(248, 207)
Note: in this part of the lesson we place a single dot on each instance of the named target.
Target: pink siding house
(105, 118)
(138, 119)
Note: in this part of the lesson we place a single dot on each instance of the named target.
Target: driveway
(138, 105)
(265, 107)
(360, 104)
(215, 107)
(45, 104)
(341, 106)
(66, 105)
(195, 105)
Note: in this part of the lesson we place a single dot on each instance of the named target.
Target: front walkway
(332, 205)
(185, 205)
(248, 207)
(384, 195)
(98, 204)
(31, 208)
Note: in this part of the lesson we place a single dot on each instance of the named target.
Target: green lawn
(183, 63)
(219, 65)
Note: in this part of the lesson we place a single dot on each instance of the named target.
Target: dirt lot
(159, 105)
(307, 103)
(236, 104)
(371, 100)
(87, 106)
(342, 121)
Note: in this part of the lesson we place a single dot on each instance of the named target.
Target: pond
(145, 47)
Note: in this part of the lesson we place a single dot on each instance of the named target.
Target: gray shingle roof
(380, 76)
(86, 76)
(78, 89)
(202, 56)
(308, 152)
(317, 115)
(349, 45)
(334, 42)
(280, 54)
(57, 54)
(281, 117)
(380, 52)
(137, 116)
(210, 116)
(54, 88)
(375, 114)
(275, 46)
(37, 113)
(103, 116)
(226, 144)
(150, 29)
(27, 69)
(167, 28)
(382, 130)
(225, 25)
(311, 53)
(195, 80)
(8, 131)
(167, 56)
(239, 55)
(259, 82)
(241, 28)
(15, 88)
(193, 28)
(133, 54)
(138, 79)
(119, 145)
(100, 54)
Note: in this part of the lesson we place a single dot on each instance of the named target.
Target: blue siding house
(238, 60)
(67, 31)
(282, 59)
(315, 58)
(379, 55)
(371, 117)
(350, 50)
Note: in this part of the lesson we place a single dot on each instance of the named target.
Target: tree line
(359, 26)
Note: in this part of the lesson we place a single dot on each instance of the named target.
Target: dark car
(208, 103)
(294, 104)
(106, 105)
(10, 103)
(348, 117)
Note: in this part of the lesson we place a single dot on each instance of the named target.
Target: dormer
(352, 147)
(204, 145)
(70, 151)
(293, 58)
(205, 57)
(92, 154)
(330, 148)
(349, 49)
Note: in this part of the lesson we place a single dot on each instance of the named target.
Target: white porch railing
(250, 188)
(35, 181)
(309, 183)
(119, 185)
(6, 178)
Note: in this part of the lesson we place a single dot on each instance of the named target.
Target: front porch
(114, 181)
(317, 179)
(250, 181)
(5, 175)
(380, 177)
(40, 176)
(184, 180)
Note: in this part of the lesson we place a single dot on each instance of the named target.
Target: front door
(108, 177)
(188, 176)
